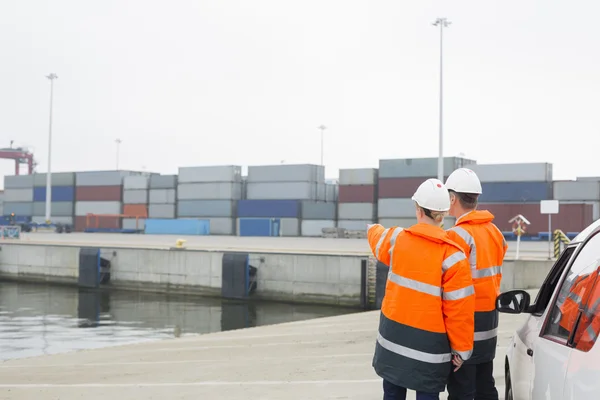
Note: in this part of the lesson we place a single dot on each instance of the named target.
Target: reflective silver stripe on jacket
(470, 242)
(380, 242)
(411, 353)
(486, 335)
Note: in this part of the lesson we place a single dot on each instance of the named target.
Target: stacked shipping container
(210, 193)
(357, 201)
(135, 201)
(281, 188)
(316, 216)
(163, 197)
(18, 195)
(62, 206)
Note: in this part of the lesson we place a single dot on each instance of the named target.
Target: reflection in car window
(588, 328)
(581, 277)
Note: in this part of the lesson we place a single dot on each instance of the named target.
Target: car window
(545, 294)
(588, 326)
(581, 277)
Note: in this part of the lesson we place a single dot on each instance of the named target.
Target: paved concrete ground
(328, 358)
(529, 250)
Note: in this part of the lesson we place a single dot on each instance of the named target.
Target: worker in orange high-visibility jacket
(572, 300)
(588, 328)
(426, 321)
(485, 247)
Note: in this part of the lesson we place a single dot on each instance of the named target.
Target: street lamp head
(52, 76)
(441, 21)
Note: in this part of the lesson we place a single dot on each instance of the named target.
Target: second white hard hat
(432, 195)
(464, 180)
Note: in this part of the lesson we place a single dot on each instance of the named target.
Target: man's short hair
(468, 201)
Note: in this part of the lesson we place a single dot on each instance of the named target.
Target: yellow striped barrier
(559, 237)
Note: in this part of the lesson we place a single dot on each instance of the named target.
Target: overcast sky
(192, 82)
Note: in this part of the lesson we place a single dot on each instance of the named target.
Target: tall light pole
(52, 77)
(322, 128)
(118, 142)
(442, 23)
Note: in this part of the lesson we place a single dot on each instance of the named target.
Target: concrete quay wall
(304, 278)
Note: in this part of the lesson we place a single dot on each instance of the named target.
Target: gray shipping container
(163, 196)
(162, 211)
(224, 173)
(136, 182)
(41, 219)
(163, 181)
(419, 167)
(358, 176)
(354, 225)
(222, 226)
(206, 208)
(521, 172)
(18, 182)
(57, 208)
(401, 222)
(290, 227)
(396, 208)
(359, 211)
(314, 227)
(102, 178)
(331, 192)
(18, 195)
(20, 209)
(315, 211)
(130, 223)
(589, 178)
(57, 178)
(282, 191)
(82, 208)
(135, 197)
(210, 191)
(577, 190)
(287, 173)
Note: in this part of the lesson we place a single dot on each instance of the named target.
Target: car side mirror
(513, 302)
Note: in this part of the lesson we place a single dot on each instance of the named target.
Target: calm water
(43, 319)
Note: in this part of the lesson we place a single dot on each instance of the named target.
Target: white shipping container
(520, 172)
(41, 219)
(136, 182)
(290, 227)
(130, 223)
(163, 196)
(18, 195)
(18, 181)
(222, 226)
(281, 191)
(210, 191)
(314, 227)
(82, 208)
(57, 179)
(354, 225)
(162, 211)
(396, 208)
(358, 176)
(360, 211)
(577, 190)
(401, 222)
(102, 178)
(286, 173)
(224, 173)
(135, 197)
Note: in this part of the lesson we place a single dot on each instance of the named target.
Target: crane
(21, 155)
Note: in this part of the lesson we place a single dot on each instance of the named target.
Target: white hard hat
(464, 180)
(432, 195)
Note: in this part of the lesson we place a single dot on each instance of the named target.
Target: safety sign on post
(519, 227)
(549, 207)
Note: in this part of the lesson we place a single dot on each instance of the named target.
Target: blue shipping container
(515, 192)
(269, 208)
(259, 226)
(177, 227)
(59, 193)
(5, 220)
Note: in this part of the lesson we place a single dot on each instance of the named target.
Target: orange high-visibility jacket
(589, 324)
(485, 247)
(570, 307)
(427, 311)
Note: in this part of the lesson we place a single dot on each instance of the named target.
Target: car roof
(584, 234)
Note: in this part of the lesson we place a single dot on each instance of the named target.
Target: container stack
(135, 201)
(398, 181)
(282, 188)
(18, 196)
(357, 201)
(101, 193)
(163, 197)
(1, 203)
(316, 216)
(210, 193)
(62, 205)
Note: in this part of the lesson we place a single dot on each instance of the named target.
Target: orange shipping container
(135, 210)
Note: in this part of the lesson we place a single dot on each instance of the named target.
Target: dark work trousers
(393, 392)
(473, 381)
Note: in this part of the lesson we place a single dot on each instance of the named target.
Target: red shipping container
(570, 217)
(97, 222)
(398, 188)
(136, 210)
(99, 193)
(357, 194)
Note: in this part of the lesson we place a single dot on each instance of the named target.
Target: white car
(546, 358)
